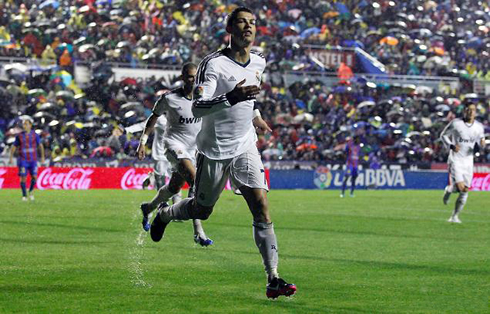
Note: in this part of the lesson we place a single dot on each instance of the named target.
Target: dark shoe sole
(157, 228)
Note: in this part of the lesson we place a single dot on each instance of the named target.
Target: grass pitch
(380, 252)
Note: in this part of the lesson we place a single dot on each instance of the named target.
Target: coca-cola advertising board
(481, 182)
(79, 178)
(54, 178)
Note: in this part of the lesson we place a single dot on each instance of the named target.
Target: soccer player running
(161, 167)
(227, 83)
(27, 143)
(180, 146)
(352, 151)
(461, 137)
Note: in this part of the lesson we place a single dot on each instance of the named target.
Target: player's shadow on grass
(369, 233)
(376, 264)
(72, 227)
(397, 266)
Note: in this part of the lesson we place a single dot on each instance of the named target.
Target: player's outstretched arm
(150, 124)
(135, 128)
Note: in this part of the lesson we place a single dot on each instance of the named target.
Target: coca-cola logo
(75, 179)
(2, 180)
(132, 180)
(481, 183)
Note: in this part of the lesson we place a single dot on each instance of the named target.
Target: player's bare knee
(260, 211)
(461, 187)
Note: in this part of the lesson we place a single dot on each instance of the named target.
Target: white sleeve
(203, 102)
(446, 135)
(138, 127)
(161, 105)
(482, 133)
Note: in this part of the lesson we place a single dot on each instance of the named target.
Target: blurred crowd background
(310, 121)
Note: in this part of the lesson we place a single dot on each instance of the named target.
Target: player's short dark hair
(232, 17)
(186, 67)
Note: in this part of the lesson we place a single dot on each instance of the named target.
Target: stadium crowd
(310, 121)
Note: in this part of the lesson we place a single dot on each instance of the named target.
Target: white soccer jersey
(227, 131)
(182, 126)
(458, 132)
(157, 148)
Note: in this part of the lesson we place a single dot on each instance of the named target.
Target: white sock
(163, 195)
(460, 202)
(179, 211)
(266, 242)
(449, 188)
(177, 197)
(198, 230)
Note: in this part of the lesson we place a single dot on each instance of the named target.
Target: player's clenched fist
(242, 93)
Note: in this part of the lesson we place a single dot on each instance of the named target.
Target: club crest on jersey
(198, 92)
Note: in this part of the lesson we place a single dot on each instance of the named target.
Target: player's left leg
(353, 182)
(463, 176)
(266, 241)
(247, 172)
(33, 172)
(23, 179)
(460, 202)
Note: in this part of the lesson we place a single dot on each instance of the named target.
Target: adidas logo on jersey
(232, 79)
(183, 120)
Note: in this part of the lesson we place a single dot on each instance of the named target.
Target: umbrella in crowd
(49, 3)
(36, 92)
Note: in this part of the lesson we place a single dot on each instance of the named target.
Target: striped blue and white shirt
(27, 144)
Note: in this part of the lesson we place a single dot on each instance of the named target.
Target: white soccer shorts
(461, 173)
(245, 169)
(174, 153)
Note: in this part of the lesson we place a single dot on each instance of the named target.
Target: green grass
(381, 252)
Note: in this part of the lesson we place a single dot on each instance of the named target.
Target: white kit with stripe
(227, 131)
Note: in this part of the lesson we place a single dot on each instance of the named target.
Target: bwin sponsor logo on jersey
(463, 140)
(183, 120)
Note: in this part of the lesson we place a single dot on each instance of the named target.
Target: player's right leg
(353, 183)
(211, 177)
(247, 173)
(23, 180)
(187, 170)
(460, 202)
(344, 184)
(163, 195)
(450, 188)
